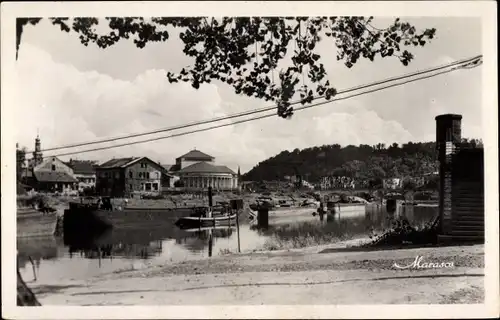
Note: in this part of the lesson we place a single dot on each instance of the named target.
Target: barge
(34, 223)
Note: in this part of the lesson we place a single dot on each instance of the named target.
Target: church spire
(37, 154)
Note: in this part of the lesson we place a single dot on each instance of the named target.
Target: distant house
(337, 182)
(392, 183)
(53, 175)
(85, 172)
(172, 178)
(125, 177)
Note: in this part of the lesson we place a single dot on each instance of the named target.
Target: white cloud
(69, 106)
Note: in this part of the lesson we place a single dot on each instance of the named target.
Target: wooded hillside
(362, 162)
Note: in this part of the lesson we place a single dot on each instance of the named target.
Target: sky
(70, 93)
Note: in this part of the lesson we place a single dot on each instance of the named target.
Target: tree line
(363, 163)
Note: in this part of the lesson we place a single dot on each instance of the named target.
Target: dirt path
(297, 277)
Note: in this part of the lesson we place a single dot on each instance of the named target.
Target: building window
(130, 174)
(148, 186)
(131, 187)
(117, 175)
(53, 167)
(155, 186)
(140, 175)
(147, 175)
(142, 186)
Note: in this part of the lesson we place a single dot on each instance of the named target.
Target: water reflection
(133, 248)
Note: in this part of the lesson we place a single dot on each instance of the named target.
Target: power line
(257, 118)
(260, 110)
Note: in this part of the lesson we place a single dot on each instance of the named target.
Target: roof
(203, 167)
(174, 168)
(82, 166)
(168, 167)
(226, 169)
(125, 162)
(53, 176)
(196, 154)
(118, 162)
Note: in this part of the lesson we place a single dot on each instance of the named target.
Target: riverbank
(316, 275)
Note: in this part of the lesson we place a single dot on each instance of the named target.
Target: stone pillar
(448, 136)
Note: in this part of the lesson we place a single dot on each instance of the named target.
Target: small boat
(35, 223)
(196, 222)
(207, 228)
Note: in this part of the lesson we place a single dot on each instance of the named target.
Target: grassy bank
(394, 231)
(293, 236)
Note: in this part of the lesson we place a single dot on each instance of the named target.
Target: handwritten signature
(418, 263)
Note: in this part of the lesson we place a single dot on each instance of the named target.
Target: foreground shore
(328, 275)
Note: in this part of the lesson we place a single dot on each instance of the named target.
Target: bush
(402, 232)
(37, 200)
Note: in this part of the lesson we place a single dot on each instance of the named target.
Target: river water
(136, 248)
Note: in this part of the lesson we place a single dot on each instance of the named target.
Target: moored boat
(34, 223)
(215, 228)
(194, 222)
(90, 218)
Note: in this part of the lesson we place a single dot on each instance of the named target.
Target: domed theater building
(198, 171)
